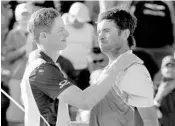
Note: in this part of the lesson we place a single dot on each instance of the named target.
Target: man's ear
(43, 35)
(125, 34)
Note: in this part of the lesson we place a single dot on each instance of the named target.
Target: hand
(159, 114)
(166, 88)
(163, 90)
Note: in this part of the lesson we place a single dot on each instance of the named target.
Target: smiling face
(55, 40)
(109, 36)
(168, 71)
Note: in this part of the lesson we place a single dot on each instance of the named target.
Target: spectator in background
(154, 31)
(6, 15)
(65, 5)
(79, 42)
(105, 4)
(165, 92)
(13, 5)
(94, 9)
(15, 54)
(46, 3)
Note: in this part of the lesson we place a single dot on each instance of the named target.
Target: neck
(113, 55)
(52, 54)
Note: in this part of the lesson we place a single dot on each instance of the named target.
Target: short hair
(42, 21)
(123, 20)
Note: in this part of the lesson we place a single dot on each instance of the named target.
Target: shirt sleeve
(49, 80)
(138, 85)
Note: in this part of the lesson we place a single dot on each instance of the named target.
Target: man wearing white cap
(165, 91)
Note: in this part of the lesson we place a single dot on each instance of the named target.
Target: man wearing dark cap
(165, 96)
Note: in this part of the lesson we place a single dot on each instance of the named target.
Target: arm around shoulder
(92, 95)
(89, 97)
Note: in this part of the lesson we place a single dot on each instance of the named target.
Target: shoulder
(63, 61)
(138, 69)
(48, 78)
(138, 85)
(138, 74)
(137, 80)
(46, 74)
(45, 70)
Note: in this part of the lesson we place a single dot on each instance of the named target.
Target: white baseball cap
(21, 9)
(80, 12)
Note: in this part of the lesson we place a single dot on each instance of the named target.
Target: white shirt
(136, 84)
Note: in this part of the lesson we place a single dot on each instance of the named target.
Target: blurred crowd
(82, 60)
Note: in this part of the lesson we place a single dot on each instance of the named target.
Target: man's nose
(66, 33)
(100, 37)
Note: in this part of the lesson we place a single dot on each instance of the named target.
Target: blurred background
(82, 60)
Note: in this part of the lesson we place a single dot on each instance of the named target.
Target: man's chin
(62, 48)
(103, 49)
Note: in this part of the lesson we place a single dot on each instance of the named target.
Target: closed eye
(60, 29)
(106, 30)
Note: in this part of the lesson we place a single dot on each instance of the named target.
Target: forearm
(89, 98)
(159, 96)
(95, 93)
(84, 99)
(163, 91)
(92, 95)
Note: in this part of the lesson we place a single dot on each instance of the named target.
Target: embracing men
(123, 93)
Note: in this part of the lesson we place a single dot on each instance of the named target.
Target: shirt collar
(123, 54)
(119, 57)
(45, 57)
(40, 54)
